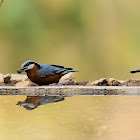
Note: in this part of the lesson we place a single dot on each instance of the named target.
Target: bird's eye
(27, 64)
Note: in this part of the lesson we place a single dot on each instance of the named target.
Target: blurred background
(98, 38)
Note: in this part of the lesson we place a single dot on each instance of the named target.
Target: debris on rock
(7, 78)
(131, 82)
(121, 81)
(113, 82)
(85, 83)
(67, 82)
(68, 79)
(11, 83)
(100, 82)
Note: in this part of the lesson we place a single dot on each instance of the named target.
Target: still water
(70, 118)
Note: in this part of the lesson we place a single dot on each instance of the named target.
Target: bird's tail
(67, 71)
(73, 71)
(135, 71)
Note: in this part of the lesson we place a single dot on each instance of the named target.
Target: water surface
(72, 118)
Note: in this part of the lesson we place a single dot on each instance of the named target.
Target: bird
(33, 102)
(44, 74)
(135, 71)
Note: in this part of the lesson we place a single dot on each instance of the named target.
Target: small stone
(7, 78)
(19, 77)
(100, 82)
(67, 79)
(1, 78)
(113, 82)
(23, 83)
(68, 76)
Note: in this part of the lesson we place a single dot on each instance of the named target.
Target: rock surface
(1, 78)
(113, 82)
(19, 77)
(131, 82)
(100, 82)
(67, 79)
(11, 83)
(24, 83)
(85, 83)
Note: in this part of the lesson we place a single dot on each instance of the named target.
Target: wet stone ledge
(70, 90)
(15, 84)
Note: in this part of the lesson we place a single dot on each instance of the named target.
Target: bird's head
(27, 66)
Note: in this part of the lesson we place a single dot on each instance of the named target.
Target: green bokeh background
(98, 38)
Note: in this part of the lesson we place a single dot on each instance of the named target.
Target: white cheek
(30, 66)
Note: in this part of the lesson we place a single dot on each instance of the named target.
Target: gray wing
(49, 70)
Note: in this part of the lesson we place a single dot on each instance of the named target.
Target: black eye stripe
(28, 64)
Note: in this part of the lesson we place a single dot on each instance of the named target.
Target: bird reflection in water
(33, 102)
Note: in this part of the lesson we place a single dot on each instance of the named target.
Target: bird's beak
(20, 70)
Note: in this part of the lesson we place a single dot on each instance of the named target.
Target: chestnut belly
(40, 80)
